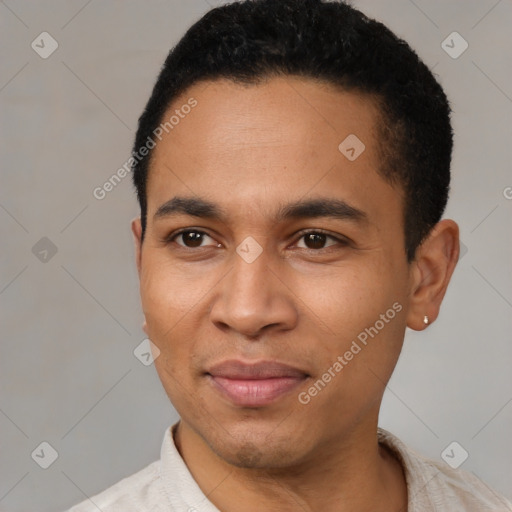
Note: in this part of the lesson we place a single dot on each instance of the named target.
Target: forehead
(278, 111)
(285, 137)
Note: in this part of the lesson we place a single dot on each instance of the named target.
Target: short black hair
(252, 40)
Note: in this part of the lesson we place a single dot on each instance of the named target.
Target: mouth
(254, 385)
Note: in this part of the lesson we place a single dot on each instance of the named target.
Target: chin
(248, 448)
(253, 456)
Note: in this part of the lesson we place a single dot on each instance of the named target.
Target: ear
(432, 270)
(137, 235)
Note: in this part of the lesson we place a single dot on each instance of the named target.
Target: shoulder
(140, 491)
(434, 485)
(458, 488)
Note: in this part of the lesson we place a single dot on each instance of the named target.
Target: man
(292, 167)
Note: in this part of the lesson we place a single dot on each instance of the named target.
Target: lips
(254, 385)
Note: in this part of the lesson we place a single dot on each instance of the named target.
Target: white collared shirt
(167, 485)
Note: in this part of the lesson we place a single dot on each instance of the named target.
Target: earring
(425, 320)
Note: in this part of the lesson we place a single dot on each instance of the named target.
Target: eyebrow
(192, 206)
(311, 208)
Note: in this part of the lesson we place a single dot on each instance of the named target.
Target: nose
(253, 298)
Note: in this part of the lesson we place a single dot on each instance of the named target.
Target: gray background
(70, 323)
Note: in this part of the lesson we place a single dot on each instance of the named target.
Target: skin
(249, 149)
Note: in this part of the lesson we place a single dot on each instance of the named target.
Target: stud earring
(425, 320)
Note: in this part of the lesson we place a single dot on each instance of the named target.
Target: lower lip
(257, 392)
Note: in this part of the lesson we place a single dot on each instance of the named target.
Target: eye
(192, 238)
(312, 240)
(317, 240)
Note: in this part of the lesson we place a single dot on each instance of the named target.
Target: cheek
(368, 317)
(167, 302)
(169, 293)
(345, 299)
(360, 316)
(175, 302)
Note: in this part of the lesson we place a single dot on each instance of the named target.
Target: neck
(356, 474)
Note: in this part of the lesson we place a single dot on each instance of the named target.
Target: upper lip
(234, 369)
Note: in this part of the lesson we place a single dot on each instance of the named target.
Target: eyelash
(340, 241)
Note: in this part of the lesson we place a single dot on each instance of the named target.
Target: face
(273, 273)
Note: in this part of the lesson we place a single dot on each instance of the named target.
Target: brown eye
(191, 238)
(317, 240)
